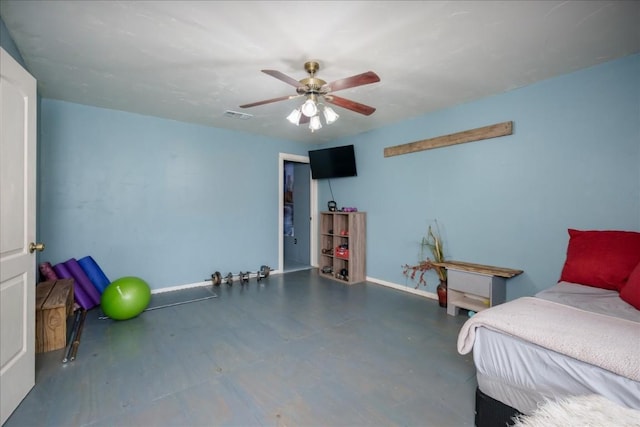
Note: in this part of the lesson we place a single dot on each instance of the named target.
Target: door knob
(36, 247)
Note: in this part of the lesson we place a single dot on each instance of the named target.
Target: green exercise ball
(125, 298)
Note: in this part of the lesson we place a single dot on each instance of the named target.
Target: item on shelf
(343, 275)
(327, 251)
(344, 233)
(349, 209)
(327, 269)
(332, 206)
(342, 251)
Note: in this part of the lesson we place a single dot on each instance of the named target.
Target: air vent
(237, 115)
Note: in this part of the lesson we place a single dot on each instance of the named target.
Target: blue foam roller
(94, 273)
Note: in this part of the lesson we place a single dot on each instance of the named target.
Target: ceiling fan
(316, 90)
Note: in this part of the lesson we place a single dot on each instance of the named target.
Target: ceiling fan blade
(269, 101)
(283, 77)
(349, 105)
(353, 81)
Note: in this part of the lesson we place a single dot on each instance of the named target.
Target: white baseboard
(180, 287)
(408, 289)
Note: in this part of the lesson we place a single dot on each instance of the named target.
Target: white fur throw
(605, 341)
(580, 411)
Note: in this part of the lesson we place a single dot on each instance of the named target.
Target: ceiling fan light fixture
(314, 123)
(329, 115)
(309, 108)
(315, 91)
(294, 117)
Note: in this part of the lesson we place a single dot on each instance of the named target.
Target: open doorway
(297, 207)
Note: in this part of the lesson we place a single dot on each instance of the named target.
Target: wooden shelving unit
(340, 230)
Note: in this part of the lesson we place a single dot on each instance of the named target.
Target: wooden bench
(54, 305)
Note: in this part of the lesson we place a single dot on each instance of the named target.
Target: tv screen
(336, 162)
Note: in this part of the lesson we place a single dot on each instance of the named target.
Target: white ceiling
(193, 60)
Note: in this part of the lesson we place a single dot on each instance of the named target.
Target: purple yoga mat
(79, 294)
(82, 280)
(46, 271)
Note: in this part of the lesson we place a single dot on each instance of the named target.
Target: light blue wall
(166, 201)
(572, 162)
(173, 202)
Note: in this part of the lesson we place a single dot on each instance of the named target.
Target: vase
(442, 293)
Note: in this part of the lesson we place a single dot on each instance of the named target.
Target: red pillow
(630, 292)
(601, 258)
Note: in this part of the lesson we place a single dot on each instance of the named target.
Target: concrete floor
(291, 350)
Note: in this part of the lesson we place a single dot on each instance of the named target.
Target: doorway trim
(313, 207)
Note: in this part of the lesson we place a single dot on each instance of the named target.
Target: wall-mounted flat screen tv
(335, 162)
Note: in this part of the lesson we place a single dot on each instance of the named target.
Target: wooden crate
(54, 304)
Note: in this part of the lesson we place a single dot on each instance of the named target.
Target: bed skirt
(491, 412)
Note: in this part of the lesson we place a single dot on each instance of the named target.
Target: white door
(17, 232)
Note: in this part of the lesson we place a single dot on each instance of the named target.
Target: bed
(572, 339)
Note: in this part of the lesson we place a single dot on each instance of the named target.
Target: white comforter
(608, 342)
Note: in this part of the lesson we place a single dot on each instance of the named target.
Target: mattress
(522, 375)
(592, 299)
